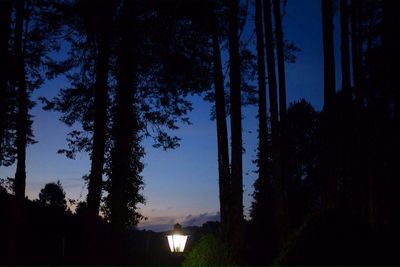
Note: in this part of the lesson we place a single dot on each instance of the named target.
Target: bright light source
(177, 240)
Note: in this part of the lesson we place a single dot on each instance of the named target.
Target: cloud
(156, 227)
(159, 224)
(165, 223)
(198, 220)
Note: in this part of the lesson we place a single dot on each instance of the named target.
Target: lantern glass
(177, 242)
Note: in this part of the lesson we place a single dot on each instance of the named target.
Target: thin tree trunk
(273, 98)
(272, 86)
(391, 57)
(391, 41)
(281, 180)
(5, 25)
(236, 128)
(344, 26)
(329, 58)
(262, 98)
(22, 100)
(22, 125)
(125, 124)
(358, 166)
(281, 61)
(355, 48)
(222, 132)
(100, 127)
(344, 112)
(330, 183)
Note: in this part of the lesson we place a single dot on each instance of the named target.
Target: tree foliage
(53, 195)
(209, 251)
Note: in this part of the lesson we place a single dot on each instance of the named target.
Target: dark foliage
(327, 191)
(342, 161)
(53, 195)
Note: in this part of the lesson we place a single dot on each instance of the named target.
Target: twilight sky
(182, 185)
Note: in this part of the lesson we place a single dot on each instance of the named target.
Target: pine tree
(236, 129)
(222, 133)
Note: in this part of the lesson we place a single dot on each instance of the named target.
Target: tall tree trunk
(344, 26)
(262, 99)
(330, 183)
(281, 179)
(391, 42)
(391, 57)
(100, 126)
(343, 111)
(356, 47)
(22, 125)
(272, 86)
(281, 61)
(329, 58)
(5, 25)
(222, 132)
(22, 100)
(275, 135)
(125, 124)
(357, 186)
(236, 128)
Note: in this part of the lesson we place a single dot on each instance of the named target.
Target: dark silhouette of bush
(209, 251)
(332, 238)
(53, 195)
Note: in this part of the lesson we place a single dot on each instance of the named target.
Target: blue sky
(182, 185)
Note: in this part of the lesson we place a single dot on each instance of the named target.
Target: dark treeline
(53, 234)
(341, 168)
(327, 180)
(130, 68)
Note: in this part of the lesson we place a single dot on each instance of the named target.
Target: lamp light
(177, 240)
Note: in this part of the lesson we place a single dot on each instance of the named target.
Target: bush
(331, 238)
(209, 251)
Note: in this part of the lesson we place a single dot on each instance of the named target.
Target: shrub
(209, 251)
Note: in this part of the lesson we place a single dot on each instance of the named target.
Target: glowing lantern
(177, 240)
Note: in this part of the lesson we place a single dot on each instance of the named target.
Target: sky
(181, 185)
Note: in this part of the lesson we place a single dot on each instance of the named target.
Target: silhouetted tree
(165, 75)
(103, 22)
(21, 122)
(357, 160)
(235, 235)
(329, 59)
(99, 22)
(281, 182)
(22, 100)
(31, 41)
(269, 209)
(125, 169)
(303, 135)
(345, 52)
(81, 209)
(280, 60)
(262, 211)
(53, 195)
(356, 47)
(262, 98)
(222, 132)
(7, 185)
(272, 87)
(5, 56)
(390, 42)
(329, 93)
